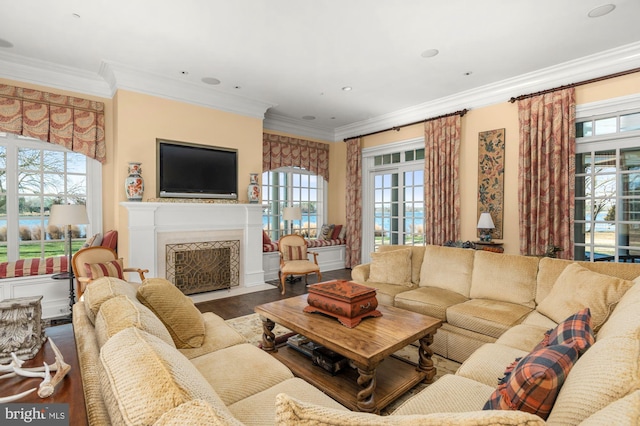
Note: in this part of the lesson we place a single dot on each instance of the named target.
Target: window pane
(584, 129)
(420, 154)
(630, 159)
(630, 122)
(76, 163)
(605, 126)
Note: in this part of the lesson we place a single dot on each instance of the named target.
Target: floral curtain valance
(283, 151)
(75, 123)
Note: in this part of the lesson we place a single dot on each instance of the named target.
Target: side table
(493, 244)
(67, 276)
(69, 391)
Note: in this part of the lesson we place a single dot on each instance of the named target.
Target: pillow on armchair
(112, 268)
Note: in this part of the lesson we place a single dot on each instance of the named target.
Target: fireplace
(205, 266)
(156, 227)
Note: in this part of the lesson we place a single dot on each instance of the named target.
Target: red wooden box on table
(346, 301)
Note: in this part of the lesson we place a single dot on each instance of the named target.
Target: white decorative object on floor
(21, 328)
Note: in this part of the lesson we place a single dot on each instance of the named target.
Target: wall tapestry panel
(491, 177)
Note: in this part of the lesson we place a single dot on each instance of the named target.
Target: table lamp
(485, 225)
(290, 214)
(67, 215)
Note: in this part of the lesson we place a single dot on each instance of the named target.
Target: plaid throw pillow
(575, 328)
(294, 253)
(113, 268)
(533, 384)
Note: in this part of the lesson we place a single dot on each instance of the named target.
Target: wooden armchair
(95, 262)
(294, 259)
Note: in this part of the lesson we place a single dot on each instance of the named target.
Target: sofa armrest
(360, 273)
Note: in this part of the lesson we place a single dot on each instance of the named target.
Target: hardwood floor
(237, 306)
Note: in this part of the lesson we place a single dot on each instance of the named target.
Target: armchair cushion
(112, 268)
(392, 267)
(176, 311)
(290, 253)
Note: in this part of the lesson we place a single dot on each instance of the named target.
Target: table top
(368, 343)
(69, 391)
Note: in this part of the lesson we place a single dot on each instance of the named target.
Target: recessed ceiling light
(309, 117)
(210, 80)
(76, 15)
(184, 72)
(5, 43)
(347, 88)
(429, 53)
(237, 87)
(601, 10)
(467, 73)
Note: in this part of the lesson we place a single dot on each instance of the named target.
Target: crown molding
(608, 62)
(36, 71)
(281, 123)
(122, 77)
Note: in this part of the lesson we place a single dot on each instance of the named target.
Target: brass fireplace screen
(203, 266)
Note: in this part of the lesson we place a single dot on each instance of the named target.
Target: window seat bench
(331, 256)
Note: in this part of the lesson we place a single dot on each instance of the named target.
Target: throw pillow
(112, 268)
(120, 312)
(294, 253)
(293, 412)
(176, 311)
(265, 238)
(576, 328)
(110, 239)
(103, 289)
(533, 384)
(93, 241)
(336, 232)
(343, 233)
(325, 232)
(391, 267)
(578, 287)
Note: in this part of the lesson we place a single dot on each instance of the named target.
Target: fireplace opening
(203, 266)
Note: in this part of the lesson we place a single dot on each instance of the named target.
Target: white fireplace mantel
(150, 220)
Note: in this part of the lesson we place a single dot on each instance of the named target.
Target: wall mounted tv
(187, 170)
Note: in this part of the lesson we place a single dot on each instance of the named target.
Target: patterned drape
(75, 123)
(546, 176)
(354, 203)
(283, 151)
(441, 180)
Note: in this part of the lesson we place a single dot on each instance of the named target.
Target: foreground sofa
(148, 356)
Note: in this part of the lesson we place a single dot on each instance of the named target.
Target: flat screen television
(187, 170)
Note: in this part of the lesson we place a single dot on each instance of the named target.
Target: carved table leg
(425, 363)
(268, 338)
(366, 399)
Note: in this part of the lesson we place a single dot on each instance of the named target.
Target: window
(33, 176)
(393, 196)
(292, 187)
(607, 204)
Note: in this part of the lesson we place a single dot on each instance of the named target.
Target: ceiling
(289, 60)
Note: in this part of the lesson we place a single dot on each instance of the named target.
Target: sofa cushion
(392, 267)
(417, 256)
(121, 312)
(385, 292)
(260, 409)
(625, 411)
(534, 382)
(487, 364)
(197, 412)
(490, 317)
(576, 328)
(217, 335)
(523, 336)
(449, 268)
(504, 277)
(103, 289)
(293, 412)
(625, 318)
(176, 311)
(432, 301)
(233, 383)
(144, 378)
(112, 268)
(608, 371)
(577, 287)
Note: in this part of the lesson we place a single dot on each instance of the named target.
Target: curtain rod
(581, 83)
(461, 113)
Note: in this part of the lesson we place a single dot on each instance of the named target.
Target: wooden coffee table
(378, 378)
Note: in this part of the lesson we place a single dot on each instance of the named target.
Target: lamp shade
(485, 221)
(68, 214)
(292, 213)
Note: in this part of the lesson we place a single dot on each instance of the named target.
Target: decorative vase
(253, 190)
(134, 183)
